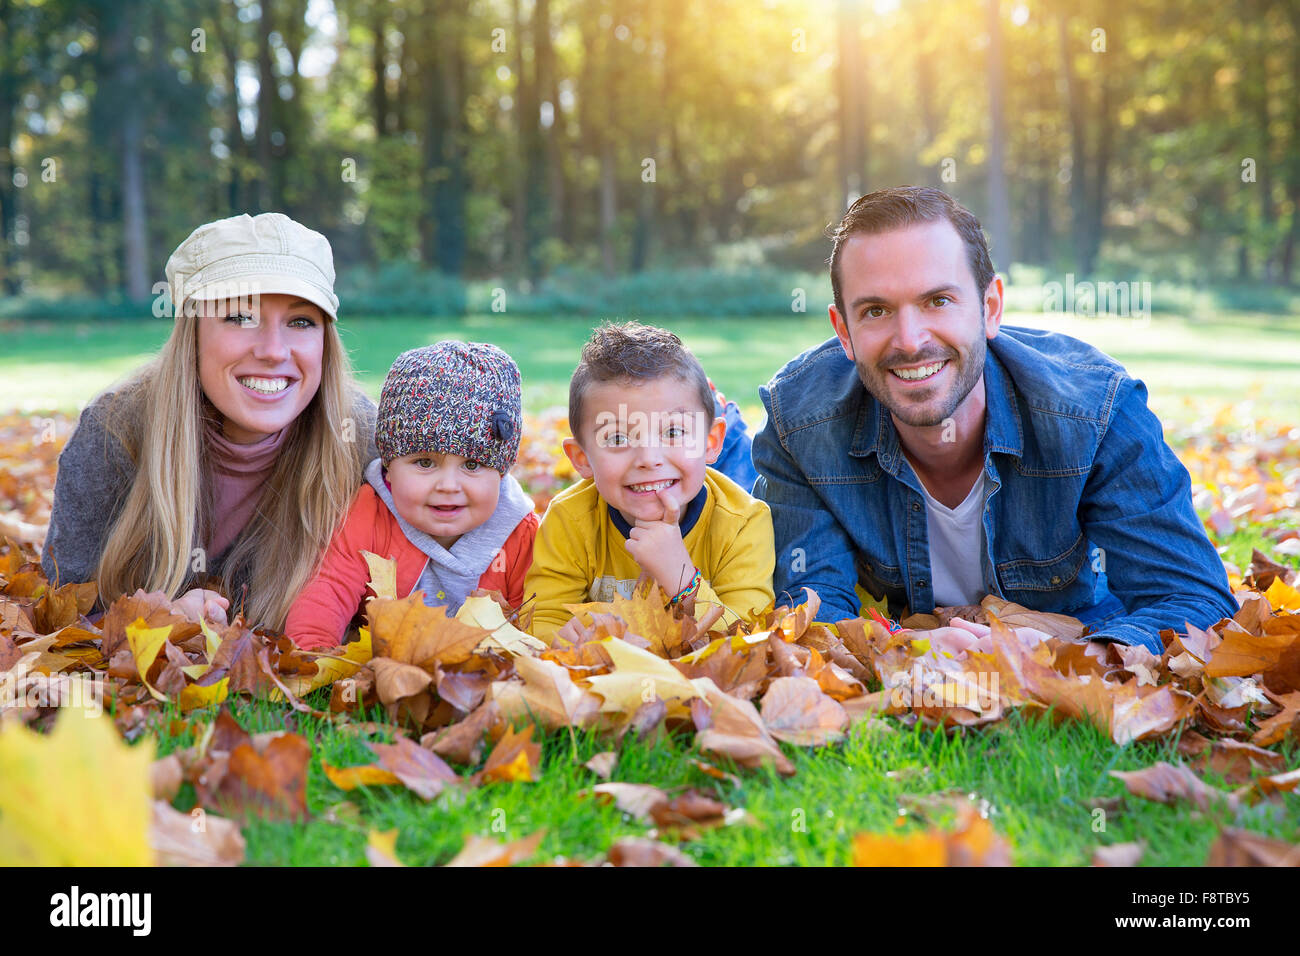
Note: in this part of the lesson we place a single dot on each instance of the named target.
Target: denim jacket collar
(874, 431)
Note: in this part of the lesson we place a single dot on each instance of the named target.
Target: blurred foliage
(557, 143)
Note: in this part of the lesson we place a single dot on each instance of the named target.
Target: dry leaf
(514, 759)
(1117, 854)
(381, 848)
(1166, 783)
(103, 789)
(795, 710)
(200, 839)
(637, 851)
(602, 765)
(482, 851)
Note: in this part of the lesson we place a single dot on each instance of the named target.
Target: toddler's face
(443, 495)
(644, 441)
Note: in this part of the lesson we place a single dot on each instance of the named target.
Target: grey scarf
(456, 572)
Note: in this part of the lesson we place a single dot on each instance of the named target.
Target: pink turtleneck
(238, 474)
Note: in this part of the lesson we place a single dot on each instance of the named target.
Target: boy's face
(645, 443)
(443, 495)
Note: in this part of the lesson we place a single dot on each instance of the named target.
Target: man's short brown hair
(632, 352)
(902, 206)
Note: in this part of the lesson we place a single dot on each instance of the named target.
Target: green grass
(1042, 783)
(1188, 365)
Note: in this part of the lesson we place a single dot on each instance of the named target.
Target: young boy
(439, 499)
(642, 416)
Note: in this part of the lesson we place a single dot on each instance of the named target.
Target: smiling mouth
(919, 374)
(264, 386)
(653, 486)
(447, 509)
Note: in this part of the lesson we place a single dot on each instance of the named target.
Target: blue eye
(310, 323)
(242, 318)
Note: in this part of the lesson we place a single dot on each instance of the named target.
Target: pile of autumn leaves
(468, 690)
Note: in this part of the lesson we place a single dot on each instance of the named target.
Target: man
(932, 457)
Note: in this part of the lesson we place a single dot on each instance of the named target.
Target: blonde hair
(159, 416)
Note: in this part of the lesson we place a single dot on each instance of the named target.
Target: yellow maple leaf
(145, 643)
(638, 678)
(329, 668)
(486, 613)
(194, 696)
(1281, 596)
(383, 575)
(103, 788)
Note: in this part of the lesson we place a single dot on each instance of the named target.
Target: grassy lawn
(1041, 784)
(1188, 366)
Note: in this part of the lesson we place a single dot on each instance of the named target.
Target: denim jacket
(1086, 510)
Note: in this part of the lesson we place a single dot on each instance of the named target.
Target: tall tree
(999, 225)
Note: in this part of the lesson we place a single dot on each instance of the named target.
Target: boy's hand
(657, 547)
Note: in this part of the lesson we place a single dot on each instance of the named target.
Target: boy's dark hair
(901, 206)
(632, 352)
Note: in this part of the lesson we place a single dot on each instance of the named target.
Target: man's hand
(961, 636)
(199, 603)
(657, 547)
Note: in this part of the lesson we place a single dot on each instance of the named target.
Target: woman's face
(260, 361)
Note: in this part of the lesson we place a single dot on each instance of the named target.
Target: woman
(237, 450)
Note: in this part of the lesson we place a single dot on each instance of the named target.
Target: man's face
(643, 442)
(914, 324)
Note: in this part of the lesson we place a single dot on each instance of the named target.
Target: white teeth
(653, 486)
(915, 374)
(267, 386)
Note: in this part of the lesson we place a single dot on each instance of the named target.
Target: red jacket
(321, 614)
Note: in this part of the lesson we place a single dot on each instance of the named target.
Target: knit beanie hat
(456, 398)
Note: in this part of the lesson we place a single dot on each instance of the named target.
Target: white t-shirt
(956, 548)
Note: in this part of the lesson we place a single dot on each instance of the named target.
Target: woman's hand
(199, 603)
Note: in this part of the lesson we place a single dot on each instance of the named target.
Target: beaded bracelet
(689, 589)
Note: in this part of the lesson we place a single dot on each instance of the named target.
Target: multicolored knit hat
(457, 398)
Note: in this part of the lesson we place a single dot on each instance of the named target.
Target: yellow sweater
(580, 556)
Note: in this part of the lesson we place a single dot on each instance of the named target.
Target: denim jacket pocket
(881, 581)
(1055, 574)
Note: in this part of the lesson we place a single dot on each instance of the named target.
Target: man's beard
(878, 381)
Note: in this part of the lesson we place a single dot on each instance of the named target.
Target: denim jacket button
(921, 583)
(916, 506)
(1056, 579)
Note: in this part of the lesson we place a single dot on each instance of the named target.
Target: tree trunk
(999, 207)
(1078, 151)
(8, 191)
(1100, 177)
(851, 81)
(378, 67)
(554, 216)
(135, 220)
(519, 245)
(442, 228)
(266, 94)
